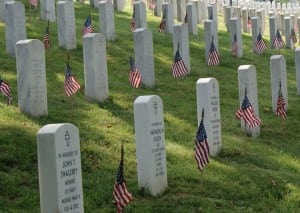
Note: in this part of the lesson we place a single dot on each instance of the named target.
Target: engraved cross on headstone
(67, 138)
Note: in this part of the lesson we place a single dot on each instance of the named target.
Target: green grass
(249, 175)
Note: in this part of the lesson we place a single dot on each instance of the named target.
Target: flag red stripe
(4, 88)
(260, 46)
(135, 78)
(213, 58)
(71, 86)
(179, 69)
(248, 116)
(121, 196)
(281, 111)
(87, 30)
(201, 153)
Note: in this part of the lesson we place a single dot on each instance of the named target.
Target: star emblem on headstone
(67, 138)
(155, 107)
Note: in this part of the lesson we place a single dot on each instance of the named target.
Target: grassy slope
(247, 176)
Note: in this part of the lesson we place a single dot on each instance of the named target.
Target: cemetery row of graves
(146, 116)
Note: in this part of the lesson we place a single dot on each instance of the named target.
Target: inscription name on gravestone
(66, 25)
(150, 143)
(31, 76)
(278, 79)
(248, 84)
(60, 169)
(208, 99)
(95, 66)
(15, 26)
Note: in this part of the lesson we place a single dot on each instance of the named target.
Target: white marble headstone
(209, 34)
(273, 29)
(150, 144)
(158, 8)
(298, 26)
(31, 76)
(181, 37)
(213, 12)
(59, 164)
(260, 14)
(278, 78)
(208, 98)
(181, 10)
(287, 32)
(228, 15)
(245, 20)
(281, 23)
(167, 8)
(200, 15)
(119, 5)
(297, 64)
(140, 17)
(2, 10)
(255, 32)
(47, 10)
(192, 18)
(235, 29)
(66, 25)
(144, 61)
(174, 6)
(247, 81)
(107, 19)
(15, 26)
(94, 3)
(95, 66)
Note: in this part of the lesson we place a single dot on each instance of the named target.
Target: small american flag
(46, 39)
(280, 110)
(33, 2)
(278, 41)
(234, 51)
(135, 76)
(293, 36)
(5, 89)
(178, 67)
(71, 84)
(249, 22)
(132, 23)
(162, 24)
(120, 194)
(201, 146)
(213, 56)
(260, 45)
(87, 26)
(246, 113)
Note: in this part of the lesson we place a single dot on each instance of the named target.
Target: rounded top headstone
(276, 57)
(145, 98)
(205, 80)
(52, 128)
(246, 67)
